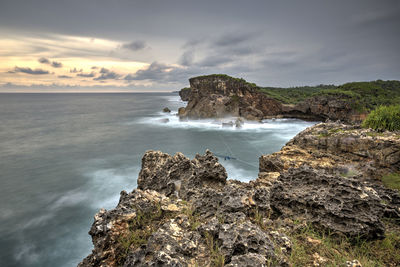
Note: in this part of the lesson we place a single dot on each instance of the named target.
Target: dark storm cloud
(87, 75)
(44, 60)
(135, 46)
(30, 71)
(56, 64)
(331, 41)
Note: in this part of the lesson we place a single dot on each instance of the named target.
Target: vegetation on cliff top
(368, 95)
(365, 96)
(384, 118)
(225, 76)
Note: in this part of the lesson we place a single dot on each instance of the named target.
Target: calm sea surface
(65, 156)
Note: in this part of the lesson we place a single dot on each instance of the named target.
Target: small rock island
(328, 197)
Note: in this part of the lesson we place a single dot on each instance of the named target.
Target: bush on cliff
(384, 118)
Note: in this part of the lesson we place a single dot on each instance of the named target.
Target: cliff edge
(219, 95)
(319, 194)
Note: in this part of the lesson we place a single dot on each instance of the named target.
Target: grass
(336, 250)
(258, 218)
(140, 229)
(392, 180)
(384, 118)
(194, 219)
(217, 259)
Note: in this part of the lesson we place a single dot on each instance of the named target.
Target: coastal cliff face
(217, 96)
(324, 107)
(186, 213)
(220, 95)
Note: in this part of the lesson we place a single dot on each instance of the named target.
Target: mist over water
(65, 156)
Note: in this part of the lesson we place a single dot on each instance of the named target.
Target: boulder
(166, 110)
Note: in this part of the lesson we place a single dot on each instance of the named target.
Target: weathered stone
(339, 204)
(220, 96)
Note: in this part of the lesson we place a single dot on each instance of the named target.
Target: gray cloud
(332, 41)
(156, 71)
(64, 77)
(187, 58)
(75, 70)
(56, 64)
(233, 39)
(87, 75)
(30, 71)
(44, 60)
(216, 60)
(107, 75)
(135, 46)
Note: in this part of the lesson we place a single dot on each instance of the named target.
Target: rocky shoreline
(218, 96)
(187, 213)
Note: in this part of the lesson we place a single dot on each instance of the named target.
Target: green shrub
(384, 118)
(392, 180)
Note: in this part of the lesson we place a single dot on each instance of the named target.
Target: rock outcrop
(184, 93)
(220, 95)
(186, 212)
(324, 107)
(217, 95)
(348, 150)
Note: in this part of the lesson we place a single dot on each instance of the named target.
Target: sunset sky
(150, 45)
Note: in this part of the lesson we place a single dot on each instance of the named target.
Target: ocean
(65, 156)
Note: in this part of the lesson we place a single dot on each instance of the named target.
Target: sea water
(65, 156)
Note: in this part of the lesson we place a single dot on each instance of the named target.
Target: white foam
(277, 125)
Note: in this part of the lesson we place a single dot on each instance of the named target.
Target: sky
(157, 45)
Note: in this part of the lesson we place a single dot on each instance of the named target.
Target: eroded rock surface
(217, 96)
(186, 212)
(339, 204)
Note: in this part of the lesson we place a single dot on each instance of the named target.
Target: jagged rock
(244, 238)
(336, 203)
(192, 203)
(220, 96)
(184, 93)
(183, 205)
(325, 107)
(339, 148)
(177, 174)
(166, 110)
(181, 111)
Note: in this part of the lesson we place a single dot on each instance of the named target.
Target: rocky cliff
(186, 212)
(219, 96)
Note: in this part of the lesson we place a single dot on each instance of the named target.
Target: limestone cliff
(221, 95)
(186, 213)
(217, 95)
